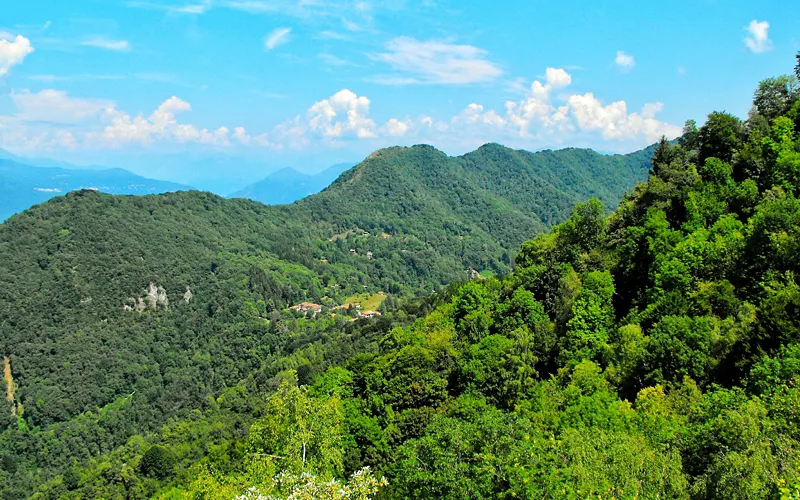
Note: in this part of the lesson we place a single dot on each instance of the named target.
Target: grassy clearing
(368, 302)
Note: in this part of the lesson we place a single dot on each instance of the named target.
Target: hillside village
(363, 306)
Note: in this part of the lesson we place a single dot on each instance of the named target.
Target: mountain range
(25, 182)
(288, 185)
(148, 305)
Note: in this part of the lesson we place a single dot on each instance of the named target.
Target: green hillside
(651, 354)
(119, 314)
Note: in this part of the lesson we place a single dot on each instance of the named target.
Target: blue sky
(312, 82)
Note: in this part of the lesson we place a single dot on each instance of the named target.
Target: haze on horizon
(224, 89)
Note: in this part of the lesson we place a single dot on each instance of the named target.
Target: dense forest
(650, 353)
(654, 353)
(120, 315)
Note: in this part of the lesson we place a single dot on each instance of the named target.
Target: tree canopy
(650, 353)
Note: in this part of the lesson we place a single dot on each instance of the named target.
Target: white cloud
(614, 122)
(162, 124)
(757, 39)
(540, 120)
(557, 78)
(548, 115)
(104, 43)
(241, 135)
(431, 123)
(56, 106)
(164, 115)
(198, 8)
(536, 110)
(435, 62)
(625, 62)
(277, 37)
(397, 128)
(13, 52)
(341, 114)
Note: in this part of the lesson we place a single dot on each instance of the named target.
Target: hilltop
(650, 353)
(173, 297)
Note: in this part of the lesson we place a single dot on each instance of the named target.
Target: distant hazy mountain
(215, 172)
(23, 185)
(288, 185)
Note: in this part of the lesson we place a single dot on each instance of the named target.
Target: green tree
(593, 315)
(683, 346)
(720, 137)
(300, 432)
(690, 138)
(774, 97)
(157, 462)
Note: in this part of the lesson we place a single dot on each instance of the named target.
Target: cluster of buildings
(307, 307)
(314, 309)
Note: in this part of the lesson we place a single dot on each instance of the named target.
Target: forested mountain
(288, 185)
(654, 353)
(23, 185)
(119, 314)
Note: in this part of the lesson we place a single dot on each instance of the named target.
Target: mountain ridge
(405, 221)
(23, 185)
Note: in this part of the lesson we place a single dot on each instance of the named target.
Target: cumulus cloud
(536, 111)
(614, 122)
(341, 114)
(397, 128)
(757, 39)
(162, 124)
(435, 62)
(241, 135)
(277, 37)
(104, 43)
(56, 106)
(547, 115)
(557, 78)
(540, 120)
(625, 62)
(13, 52)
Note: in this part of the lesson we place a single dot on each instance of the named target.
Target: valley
(557, 273)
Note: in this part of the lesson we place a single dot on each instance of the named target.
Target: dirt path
(9, 384)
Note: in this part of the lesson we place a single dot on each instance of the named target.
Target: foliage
(96, 364)
(654, 353)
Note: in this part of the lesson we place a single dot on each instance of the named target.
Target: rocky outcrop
(155, 299)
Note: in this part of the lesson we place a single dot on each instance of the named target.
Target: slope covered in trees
(119, 314)
(654, 353)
